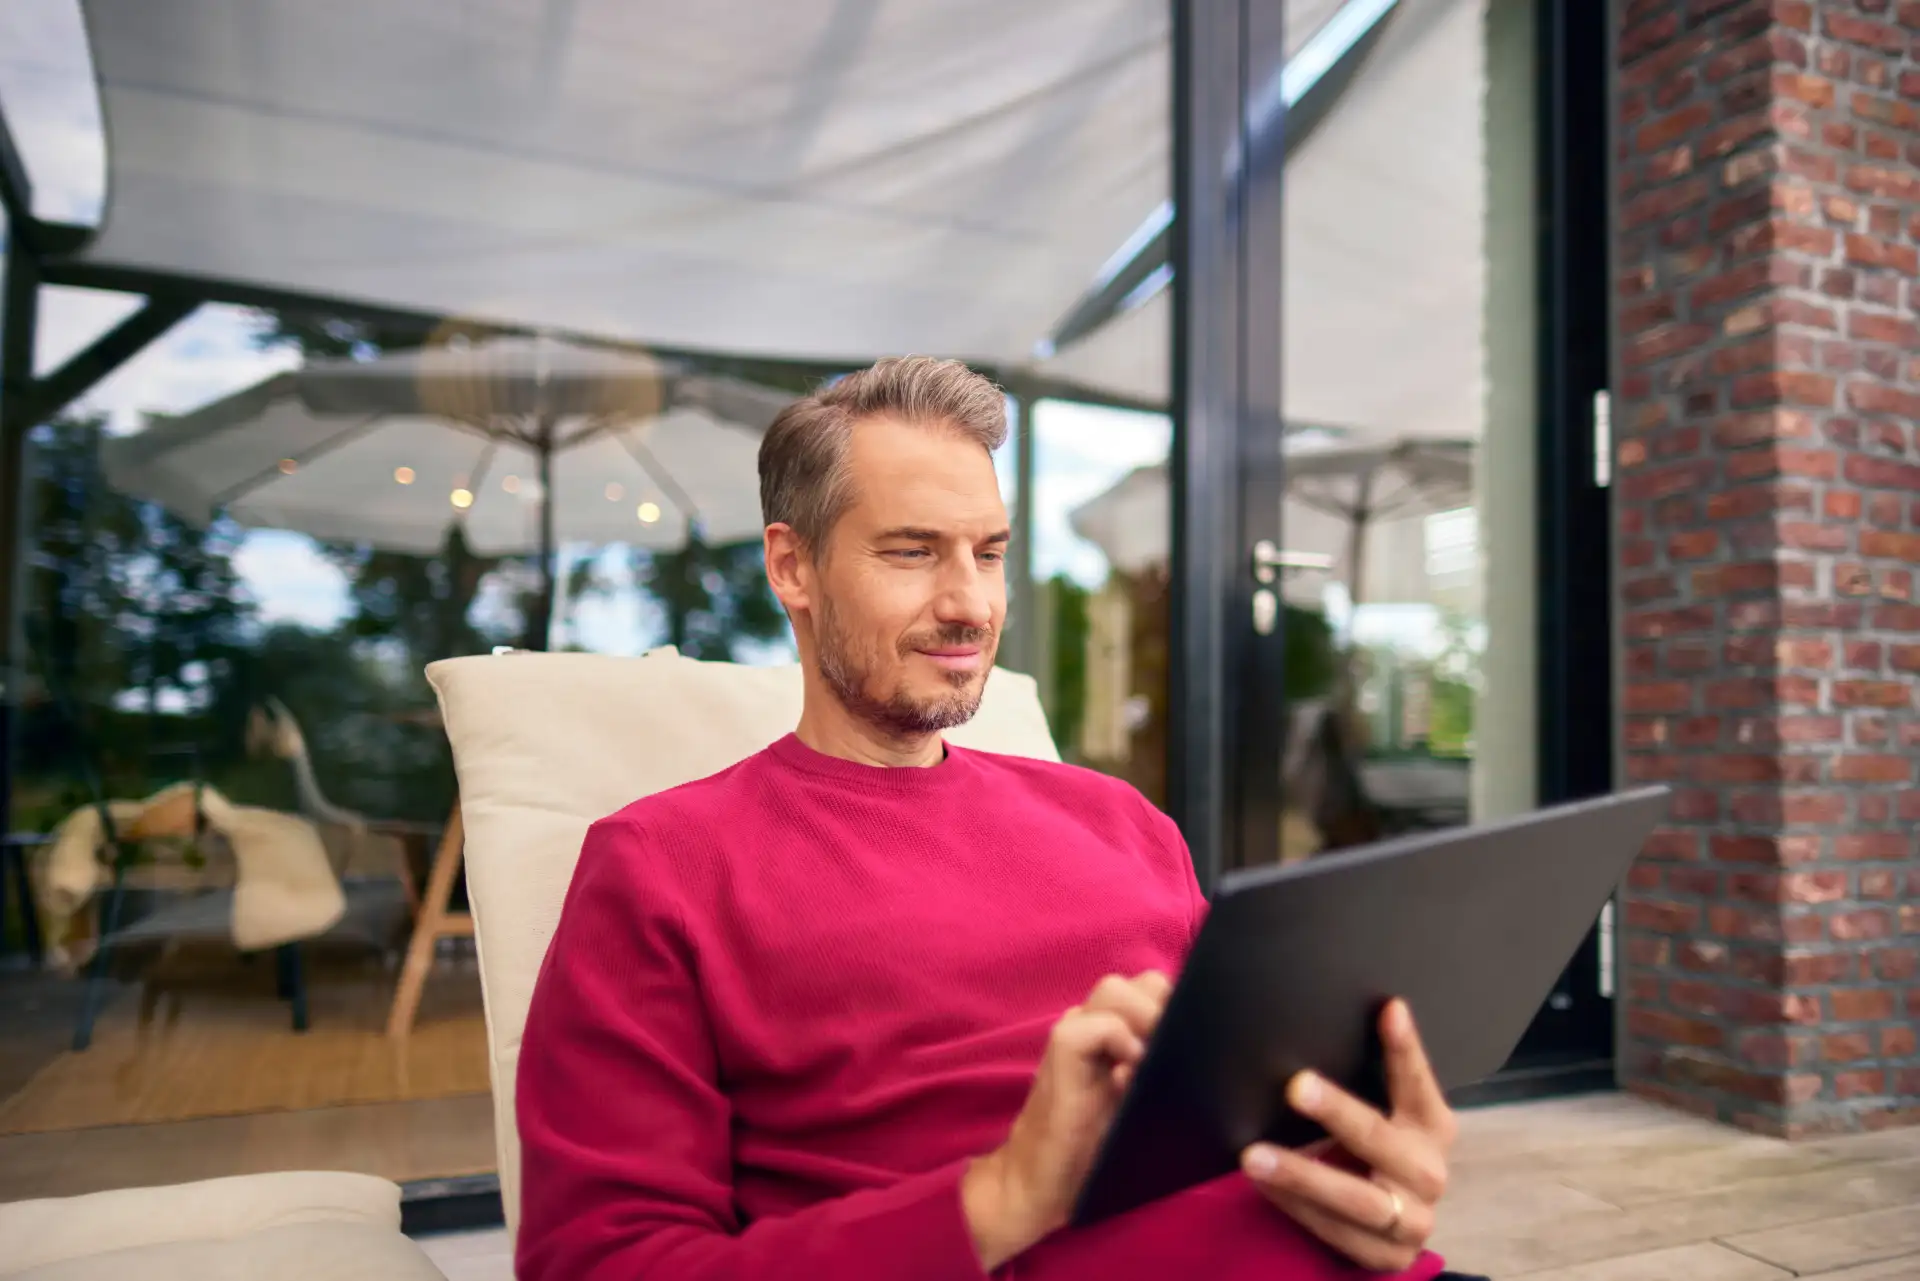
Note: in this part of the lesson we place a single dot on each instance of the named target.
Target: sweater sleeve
(1168, 839)
(626, 1133)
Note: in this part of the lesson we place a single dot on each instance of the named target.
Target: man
(804, 1019)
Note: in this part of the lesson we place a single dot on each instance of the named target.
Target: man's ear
(789, 572)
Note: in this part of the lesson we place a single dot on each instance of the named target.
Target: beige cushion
(44, 1233)
(296, 1252)
(545, 744)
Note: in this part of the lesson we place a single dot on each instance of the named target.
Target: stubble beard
(899, 714)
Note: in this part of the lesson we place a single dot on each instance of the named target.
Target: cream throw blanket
(284, 888)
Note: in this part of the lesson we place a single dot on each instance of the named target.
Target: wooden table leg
(413, 851)
(433, 923)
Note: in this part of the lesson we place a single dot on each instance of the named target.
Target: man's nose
(966, 598)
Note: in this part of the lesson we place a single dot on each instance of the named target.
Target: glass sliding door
(1390, 409)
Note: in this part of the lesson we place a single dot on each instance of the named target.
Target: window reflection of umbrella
(1335, 491)
(521, 443)
(1361, 483)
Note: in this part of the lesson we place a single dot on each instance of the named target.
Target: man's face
(911, 592)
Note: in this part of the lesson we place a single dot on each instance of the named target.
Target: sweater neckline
(790, 751)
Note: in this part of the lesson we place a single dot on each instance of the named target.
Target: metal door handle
(1269, 560)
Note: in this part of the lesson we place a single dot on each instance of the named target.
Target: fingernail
(1306, 1091)
(1399, 1021)
(1262, 1162)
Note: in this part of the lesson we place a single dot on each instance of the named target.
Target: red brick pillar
(1767, 419)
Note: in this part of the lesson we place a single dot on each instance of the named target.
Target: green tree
(372, 748)
(424, 604)
(189, 610)
(1066, 604)
(1311, 657)
(78, 583)
(121, 596)
(714, 598)
(123, 606)
(1456, 681)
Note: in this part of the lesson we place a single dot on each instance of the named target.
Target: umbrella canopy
(394, 451)
(1363, 483)
(1336, 495)
(1367, 481)
(521, 443)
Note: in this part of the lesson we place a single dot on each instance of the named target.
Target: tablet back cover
(1472, 926)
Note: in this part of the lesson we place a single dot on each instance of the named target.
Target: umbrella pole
(540, 626)
(1348, 697)
(1357, 538)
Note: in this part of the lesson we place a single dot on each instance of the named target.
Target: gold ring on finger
(1396, 1210)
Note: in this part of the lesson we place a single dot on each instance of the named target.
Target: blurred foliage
(421, 605)
(1313, 662)
(1455, 683)
(1065, 603)
(145, 657)
(714, 598)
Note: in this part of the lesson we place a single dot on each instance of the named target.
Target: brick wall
(1767, 420)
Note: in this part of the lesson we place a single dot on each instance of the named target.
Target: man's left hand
(1380, 1218)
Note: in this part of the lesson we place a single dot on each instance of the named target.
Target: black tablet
(1294, 964)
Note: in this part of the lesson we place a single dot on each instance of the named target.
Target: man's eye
(908, 553)
(993, 558)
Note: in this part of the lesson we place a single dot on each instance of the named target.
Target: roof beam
(16, 192)
(156, 285)
(79, 273)
(84, 370)
(1284, 113)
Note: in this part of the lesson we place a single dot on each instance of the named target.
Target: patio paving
(1610, 1188)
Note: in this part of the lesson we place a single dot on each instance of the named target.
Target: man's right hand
(1025, 1189)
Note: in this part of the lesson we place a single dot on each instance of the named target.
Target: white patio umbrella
(521, 442)
(1337, 493)
(1361, 483)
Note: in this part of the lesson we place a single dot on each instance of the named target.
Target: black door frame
(1227, 673)
(1574, 1033)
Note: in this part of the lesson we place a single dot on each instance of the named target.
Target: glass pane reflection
(235, 577)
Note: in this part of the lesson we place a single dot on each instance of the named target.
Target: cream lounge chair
(299, 1226)
(544, 745)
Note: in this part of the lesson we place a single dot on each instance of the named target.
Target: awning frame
(1285, 111)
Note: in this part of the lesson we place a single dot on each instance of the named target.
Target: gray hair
(804, 481)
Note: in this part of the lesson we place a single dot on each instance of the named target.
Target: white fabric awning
(813, 179)
(828, 179)
(1384, 255)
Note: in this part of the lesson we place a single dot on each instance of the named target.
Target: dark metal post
(1023, 621)
(1228, 683)
(1575, 512)
(18, 326)
(1575, 551)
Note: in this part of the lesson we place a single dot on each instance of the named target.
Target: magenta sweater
(786, 1004)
